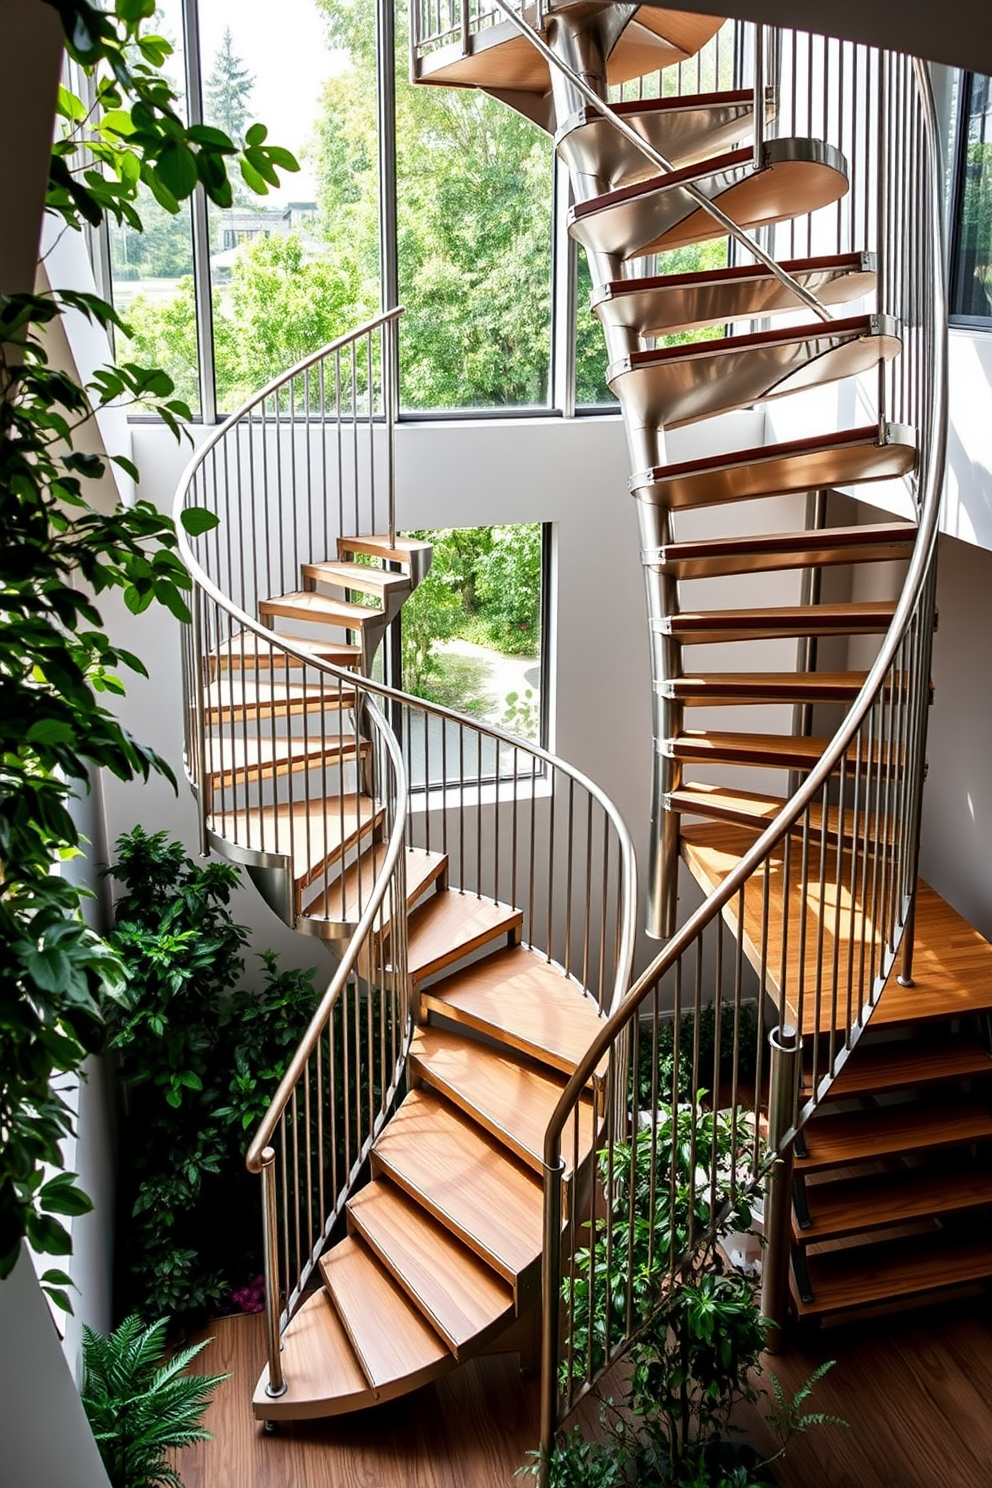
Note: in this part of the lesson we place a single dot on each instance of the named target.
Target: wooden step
(851, 1206)
(344, 901)
(323, 1376)
(393, 1341)
(756, 810)
(669, 386)
(715, 557)
(859, 1276)
(517, 997)
(254, 759)
(771, 751)
(413, 555)
(305, 604)
(512, 1099)
(684, 128)
(231, 699)
(501, 61)
(461, 1296)
(890, 1131)
(246, 651)
(844, 458)
(378, 582)
(469, 1182)
(311, 835)
(725, 689)
(652, 216)
(695, 627)
(911, 1062)
(663, 303)
(449, 925)
(952, 962)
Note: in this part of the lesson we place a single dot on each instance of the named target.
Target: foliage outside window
(471, 632)
(971, 296)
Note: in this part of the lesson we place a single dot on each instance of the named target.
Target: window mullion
(200, 221)
(563, 293)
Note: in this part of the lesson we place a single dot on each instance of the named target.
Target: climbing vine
(58, 554)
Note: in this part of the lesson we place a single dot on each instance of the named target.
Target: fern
(139, 1407)
(787, 1418)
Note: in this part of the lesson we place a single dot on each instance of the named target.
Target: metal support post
(277, 1382)
(785, 1045)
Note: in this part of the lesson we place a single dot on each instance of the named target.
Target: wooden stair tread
(305, 604)
(367, 580)
(781, 751)
(347, 897)
(952, 961)
(909, 1062)
(323, 1376)
(512, 1099)
(849, 1206)
(887, 1131)
(229, 698)
(463, 1298)
(662, 303)
(251, 652)
(861, 1275)
(846, 457)
(449, 925)
(709, 689)
(257, 758)
(753, 809)
(516, 997)
(467, 1180)
(845, 618)
(393, 1341)
(652, 216)
(764, 552)
(311, 834)
(677, 385)
(379, 545)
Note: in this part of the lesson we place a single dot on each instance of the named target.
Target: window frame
(957, 194)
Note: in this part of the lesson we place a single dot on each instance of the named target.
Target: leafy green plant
(58, 555)
(140, 1404)
(656, 1051)
(200, 1058)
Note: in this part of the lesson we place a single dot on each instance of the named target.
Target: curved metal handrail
(795, 806)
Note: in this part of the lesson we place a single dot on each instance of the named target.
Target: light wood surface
(767, 552)
(311, 834)
(861, 618)
(756, 809)
(252, 759)
(305, 604)
(853, 1205)
(952, 964)
(393, 1341)
(888, 1131)
(234, 699)
(516, 996)
(465, 1179)
(844, 457)
(775, 751)
(910, 1267)
(357, 576)
(911, 1062)
(449, 925)
(247, 650)
(464, 1299)
(510, 1097)
(377, 545)
(346, 899)
(323, 1376)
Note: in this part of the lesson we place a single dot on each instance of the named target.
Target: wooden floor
(917, 1391)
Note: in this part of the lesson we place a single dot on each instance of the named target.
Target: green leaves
(197, 520)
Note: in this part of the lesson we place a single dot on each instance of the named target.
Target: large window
(971, 269)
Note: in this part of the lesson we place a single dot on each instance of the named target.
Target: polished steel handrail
(881, 740)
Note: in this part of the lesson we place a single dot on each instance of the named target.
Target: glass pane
(152, 271)
(474, 190)
(471, 632)
(973, 269)
(298, 267)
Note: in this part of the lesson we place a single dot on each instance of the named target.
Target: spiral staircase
(427, 1163)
